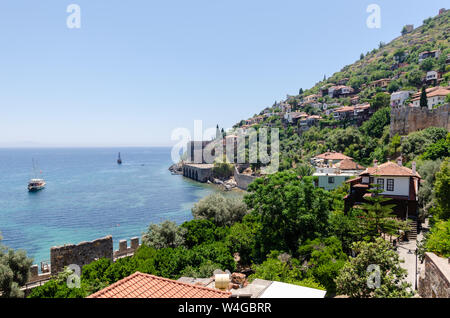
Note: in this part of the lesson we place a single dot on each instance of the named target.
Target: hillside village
(364, 179)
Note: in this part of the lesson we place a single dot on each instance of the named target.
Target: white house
(399, 98)
(434, 97)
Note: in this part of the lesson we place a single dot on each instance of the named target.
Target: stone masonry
(406, 119)
(80, 254)
(434, 279)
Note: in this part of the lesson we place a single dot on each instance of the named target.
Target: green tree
(380, 100)
(221, 210)
(378, 217)
(442, 191)
(423, 98)
(324, 258)
(166, 234)
(374, 127)
(438, 241)
(290, 210)
(356, 277)
(14, 271)
(199, 232)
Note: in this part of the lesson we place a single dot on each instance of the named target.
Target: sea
(88, 196)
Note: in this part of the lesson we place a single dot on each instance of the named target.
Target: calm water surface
(88, 195)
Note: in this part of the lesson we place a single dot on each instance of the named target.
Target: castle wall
(405, 120)
(80, 254)
(434, 280)
(242, 180)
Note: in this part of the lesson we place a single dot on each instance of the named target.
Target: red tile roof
(348, 164)
(140, 285)
(390, 169)
(332, 156)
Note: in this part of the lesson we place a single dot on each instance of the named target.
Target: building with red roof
(399, 183)
(140, 285)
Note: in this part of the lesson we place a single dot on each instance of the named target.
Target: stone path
(406, 250)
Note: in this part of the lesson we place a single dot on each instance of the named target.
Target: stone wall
(434, 279)
(80, 254)
(242, 180)
(125, 250)
(405, 120)
(198, 172)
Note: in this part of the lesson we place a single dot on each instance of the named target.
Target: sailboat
(119, 160)
(35, 184)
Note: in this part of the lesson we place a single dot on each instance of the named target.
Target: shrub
(222, 211)
(167, 234)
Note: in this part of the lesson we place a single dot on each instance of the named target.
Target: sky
(136, 70)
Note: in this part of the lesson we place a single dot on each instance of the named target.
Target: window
(390, 184)
(381, 183)
(371, 180)
(330, 179)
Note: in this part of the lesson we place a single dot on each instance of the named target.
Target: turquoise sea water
(88, 196)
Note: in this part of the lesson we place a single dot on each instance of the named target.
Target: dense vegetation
(285, 228)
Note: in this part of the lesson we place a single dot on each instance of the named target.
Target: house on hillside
(293, 117)
(433, 78)
(435, 96)
(381, 83)
(340, 91)
(399, 183)
(329, 178)
(328, 159)
(308, 122)
(398, 98)
(310, 99)
(429, 54)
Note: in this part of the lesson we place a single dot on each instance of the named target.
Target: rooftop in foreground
(140, 285)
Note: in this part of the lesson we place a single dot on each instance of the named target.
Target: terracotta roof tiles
(140, 285)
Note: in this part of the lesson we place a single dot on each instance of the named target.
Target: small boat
(36, 184)
(119, 160)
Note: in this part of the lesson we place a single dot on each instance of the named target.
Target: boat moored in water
(36, 185)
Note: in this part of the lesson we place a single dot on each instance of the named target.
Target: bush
(167, 234)
(198, 232)
(222, 211)
(438, 240)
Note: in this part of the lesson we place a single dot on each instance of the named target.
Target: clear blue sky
(138, 69)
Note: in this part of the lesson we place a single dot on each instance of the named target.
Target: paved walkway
(406, 250)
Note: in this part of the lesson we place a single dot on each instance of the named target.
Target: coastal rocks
(227, 185)
(176, 168)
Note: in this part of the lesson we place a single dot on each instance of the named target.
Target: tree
(427, 64)
(361, 56)
(300, 92)
(378, 217)
(438, 241)
(423, 98)
(442, 191)
(14, 271)
(221, 210)
(198, 232)
(375, 125)
(356, 278)
(427, 170)
(166, 234)
(439, 149)
(323, 258)
(380, 100)
(290, 211)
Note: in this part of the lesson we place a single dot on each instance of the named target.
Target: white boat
(35, 184)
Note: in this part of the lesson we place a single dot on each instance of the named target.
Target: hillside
(350, 111)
